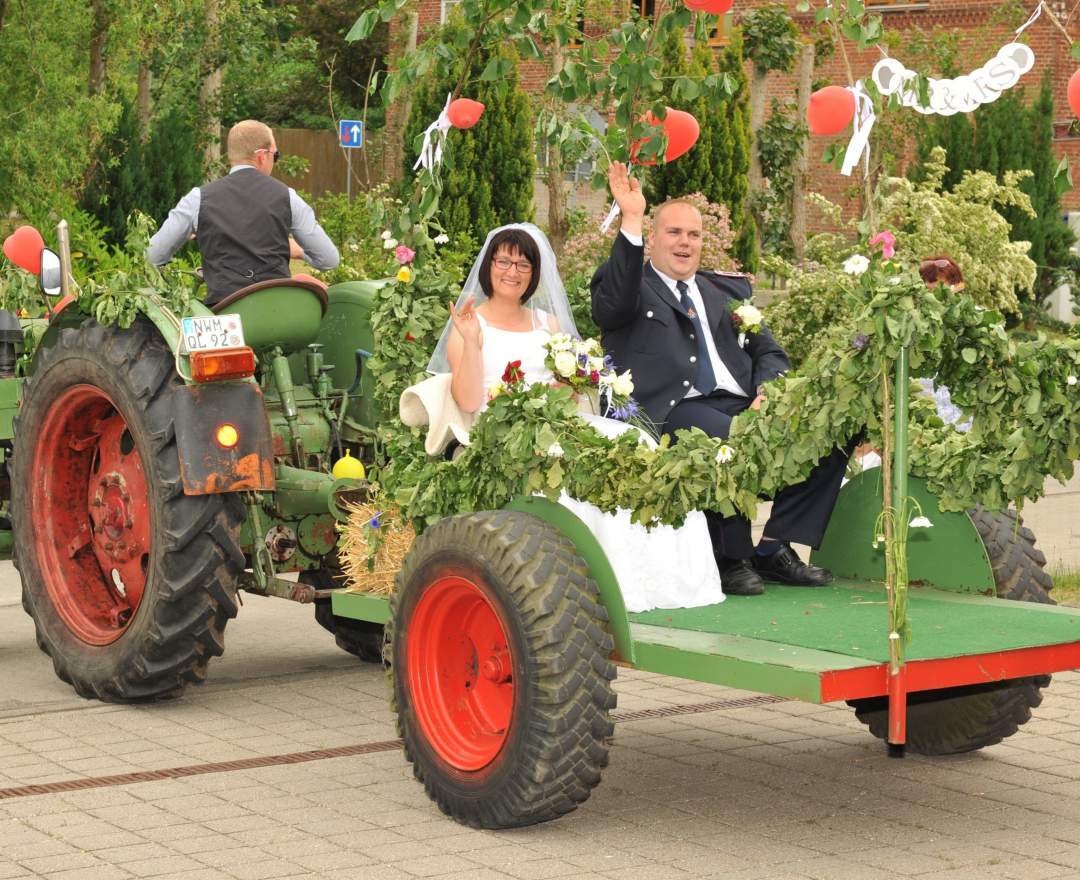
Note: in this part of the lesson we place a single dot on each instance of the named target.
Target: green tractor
(155, 471)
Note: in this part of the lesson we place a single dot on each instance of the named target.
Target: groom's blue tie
(705, 380)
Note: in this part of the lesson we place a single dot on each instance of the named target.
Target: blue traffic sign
(351, 133)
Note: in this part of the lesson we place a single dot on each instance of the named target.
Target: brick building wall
(981, 35)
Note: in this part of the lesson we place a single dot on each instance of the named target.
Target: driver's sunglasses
(523, 266)
(276, 154)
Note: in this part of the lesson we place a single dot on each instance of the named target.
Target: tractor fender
(600, 570)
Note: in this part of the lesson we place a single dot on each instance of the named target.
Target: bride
(511, 304)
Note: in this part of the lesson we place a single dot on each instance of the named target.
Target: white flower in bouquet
(607, 378)
(592, 347)
(856, 264)
(725, 454)
(560, 342)
(750, 318)
(623, 385)
(389, 244)
(495, 390)
(596, 364)
(565, 363)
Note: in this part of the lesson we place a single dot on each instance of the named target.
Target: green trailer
(506, 628)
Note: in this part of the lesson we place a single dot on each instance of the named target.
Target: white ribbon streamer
(610, 218)
(1031, 20)
(859, 145)
(434, 138)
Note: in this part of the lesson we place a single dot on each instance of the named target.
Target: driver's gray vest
(243, 232)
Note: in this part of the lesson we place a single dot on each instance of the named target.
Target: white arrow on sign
(355, 132)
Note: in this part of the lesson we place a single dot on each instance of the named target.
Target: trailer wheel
(357, 637)
(129, 581)
(962, 719)
(501, 670)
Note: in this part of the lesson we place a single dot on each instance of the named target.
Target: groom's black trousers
(800, 513)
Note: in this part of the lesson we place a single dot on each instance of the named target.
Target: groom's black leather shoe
(738, 578)
(785, 567)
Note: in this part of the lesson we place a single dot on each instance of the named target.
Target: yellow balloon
(348, 467)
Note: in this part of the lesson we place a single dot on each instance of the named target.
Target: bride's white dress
(662, 568)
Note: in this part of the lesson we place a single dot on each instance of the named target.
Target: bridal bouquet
(582, 364)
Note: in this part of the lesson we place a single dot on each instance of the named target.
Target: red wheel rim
(91, 515)
(460, 673)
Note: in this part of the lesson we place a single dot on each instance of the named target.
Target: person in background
(247, 224)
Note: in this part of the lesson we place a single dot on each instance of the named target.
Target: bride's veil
(550, 295)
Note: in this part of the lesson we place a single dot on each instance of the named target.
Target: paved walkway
(780, 790)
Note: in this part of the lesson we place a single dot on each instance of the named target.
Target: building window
(896, 5)
(583, 170)
(721, 34)
(645, 8)
(445, 8)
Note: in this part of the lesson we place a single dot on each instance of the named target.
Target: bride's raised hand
(465, 321)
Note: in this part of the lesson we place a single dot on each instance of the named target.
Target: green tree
(488, 179)
(719, 164)
(692, 172)
(731, 145)
(150, 177)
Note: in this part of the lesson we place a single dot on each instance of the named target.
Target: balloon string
(1031, 19)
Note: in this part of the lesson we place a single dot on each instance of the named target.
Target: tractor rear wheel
(501, 669)
(129, 581)
(950, 721)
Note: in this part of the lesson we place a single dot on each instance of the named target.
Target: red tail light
(223, 364)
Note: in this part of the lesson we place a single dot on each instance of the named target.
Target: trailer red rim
(460, 673)
(91, 509)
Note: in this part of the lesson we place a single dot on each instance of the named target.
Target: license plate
(212, 332)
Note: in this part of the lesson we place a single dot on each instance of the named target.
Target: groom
(670, 324)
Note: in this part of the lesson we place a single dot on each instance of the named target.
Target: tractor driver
(247, 224)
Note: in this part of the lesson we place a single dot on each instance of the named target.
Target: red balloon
(713, 7)
(682, 132)
(465, 112)
(23, 247)
(831, 110)
(1074, 93)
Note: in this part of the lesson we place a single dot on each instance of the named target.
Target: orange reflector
(227, 436)
(225, 363)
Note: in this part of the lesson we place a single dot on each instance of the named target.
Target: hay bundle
(374, 542)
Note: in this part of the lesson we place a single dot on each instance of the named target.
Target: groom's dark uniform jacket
(646, 330)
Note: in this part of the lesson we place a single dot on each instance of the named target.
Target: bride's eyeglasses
(523, 266)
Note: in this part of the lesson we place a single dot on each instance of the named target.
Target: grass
(1066, 587)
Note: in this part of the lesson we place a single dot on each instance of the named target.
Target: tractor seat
(281, 312)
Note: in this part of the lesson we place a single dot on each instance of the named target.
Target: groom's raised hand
(627, 193)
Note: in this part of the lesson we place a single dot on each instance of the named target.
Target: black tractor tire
(546, 750)
(360, 638)
(954, 720)
(100, 398)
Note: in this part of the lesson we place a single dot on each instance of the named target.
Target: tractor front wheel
(129, 581)
(950, 721)
(501, 670)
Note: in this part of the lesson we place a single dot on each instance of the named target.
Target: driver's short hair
(245, 138)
